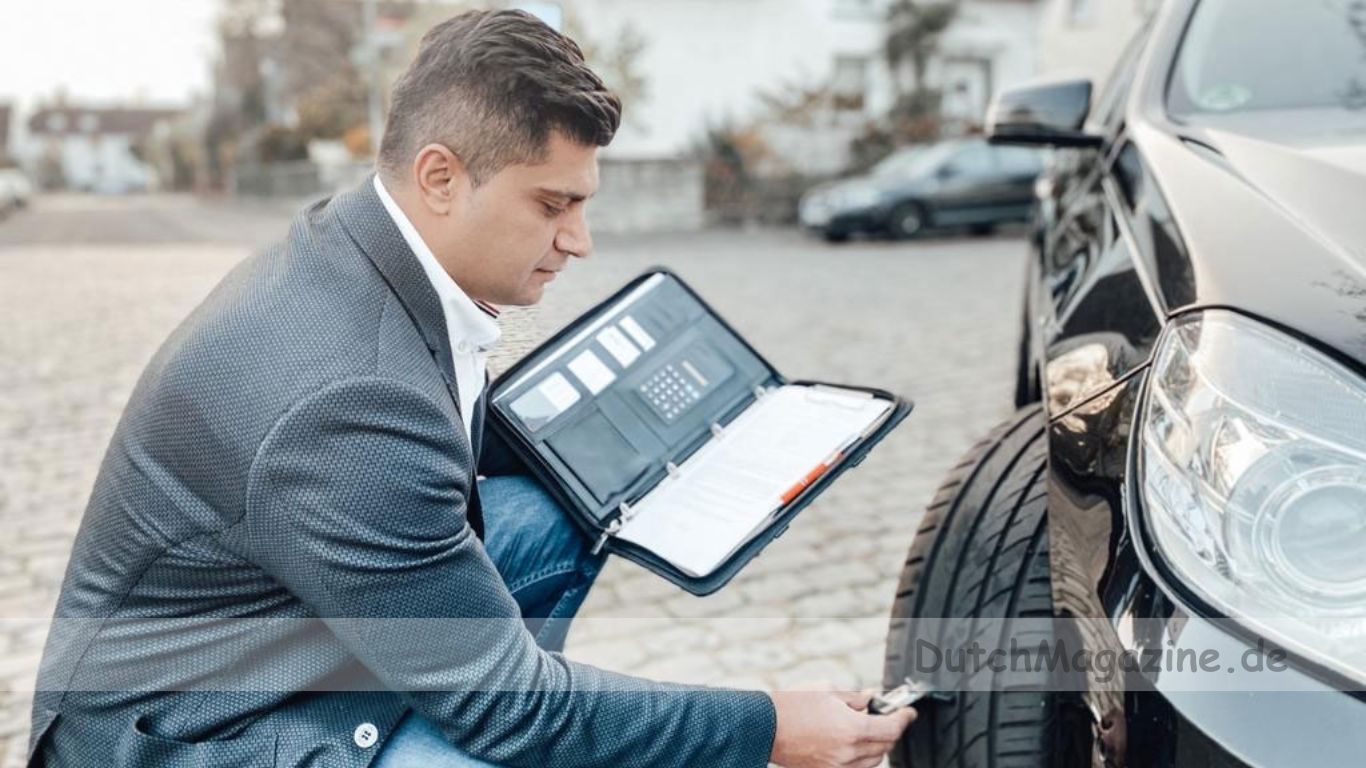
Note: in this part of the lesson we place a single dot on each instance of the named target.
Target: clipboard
(613, 404)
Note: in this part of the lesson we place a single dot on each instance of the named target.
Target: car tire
(907, 220)
(835, 237)
(1028, 389)
(981, 551)
(982, 230)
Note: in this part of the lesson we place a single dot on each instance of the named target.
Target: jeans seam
(570, 597)
(545, 573)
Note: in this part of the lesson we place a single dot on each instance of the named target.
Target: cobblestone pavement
(89, 288)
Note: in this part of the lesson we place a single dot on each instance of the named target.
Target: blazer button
(366, 735)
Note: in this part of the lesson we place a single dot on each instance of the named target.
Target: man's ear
(442, 180)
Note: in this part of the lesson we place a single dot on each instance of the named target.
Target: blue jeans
(546, 564)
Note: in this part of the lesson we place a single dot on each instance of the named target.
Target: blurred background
(732, 109)
(778, 154)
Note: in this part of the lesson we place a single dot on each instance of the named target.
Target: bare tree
(913, 31)
(616, 60)
(321, 78)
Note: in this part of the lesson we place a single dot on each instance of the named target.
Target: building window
(849, 83)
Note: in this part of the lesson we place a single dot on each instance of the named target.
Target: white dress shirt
(472, 332)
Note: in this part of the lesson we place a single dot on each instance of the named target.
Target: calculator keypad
(670, 392)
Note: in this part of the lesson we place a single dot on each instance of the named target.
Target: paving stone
(694, 668)
(668, 639)
(831, 639)
(757, 658)
(734, 630)
(818, 674)
(725, 602)
(616, 654)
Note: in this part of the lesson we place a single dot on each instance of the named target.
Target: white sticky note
(591, 371)
(559, 391)
(638, 333)
(621, 347)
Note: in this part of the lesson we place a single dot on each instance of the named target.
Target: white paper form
(727, 491)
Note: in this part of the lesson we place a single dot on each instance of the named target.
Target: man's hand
(818, 729)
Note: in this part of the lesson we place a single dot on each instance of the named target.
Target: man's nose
(573, 237)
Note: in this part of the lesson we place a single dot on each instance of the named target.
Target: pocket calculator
(673, 389)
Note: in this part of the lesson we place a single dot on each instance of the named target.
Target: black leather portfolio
(670, 440)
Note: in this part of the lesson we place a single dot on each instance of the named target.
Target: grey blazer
(281, 554)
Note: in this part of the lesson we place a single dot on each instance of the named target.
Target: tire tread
(981, 551)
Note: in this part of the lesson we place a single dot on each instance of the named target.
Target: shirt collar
(465, 320)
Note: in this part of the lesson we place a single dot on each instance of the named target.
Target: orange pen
(810, 477)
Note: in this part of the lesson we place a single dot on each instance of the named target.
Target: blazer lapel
(365, 219)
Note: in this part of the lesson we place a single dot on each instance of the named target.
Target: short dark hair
(491, 86)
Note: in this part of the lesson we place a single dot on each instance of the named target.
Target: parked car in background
(15, 189)
(1187, 469)
(955, 183)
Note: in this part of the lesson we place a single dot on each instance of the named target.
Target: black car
(1188, 465)
(953, 183)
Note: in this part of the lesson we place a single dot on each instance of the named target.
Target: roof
(74, 119)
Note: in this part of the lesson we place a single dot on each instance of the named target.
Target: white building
(992, 45)
(1082, 38)
(90, 149)
(708, 61)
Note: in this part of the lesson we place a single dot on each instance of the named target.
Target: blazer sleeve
(356, 504)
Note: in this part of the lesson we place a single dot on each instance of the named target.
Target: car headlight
(856, 197)
(814, 209)
(1253, 476)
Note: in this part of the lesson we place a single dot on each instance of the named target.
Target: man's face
(520, 227)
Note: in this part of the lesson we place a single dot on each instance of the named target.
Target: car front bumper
(846, 222)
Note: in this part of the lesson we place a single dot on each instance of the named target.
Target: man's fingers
(855, 699)
(888, 728)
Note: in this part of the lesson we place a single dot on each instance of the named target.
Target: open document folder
(670, 440)
(728, 491)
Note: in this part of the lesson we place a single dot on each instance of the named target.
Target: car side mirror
(1048, 114)
(945, 172)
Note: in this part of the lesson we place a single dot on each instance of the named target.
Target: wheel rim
(909, 223)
